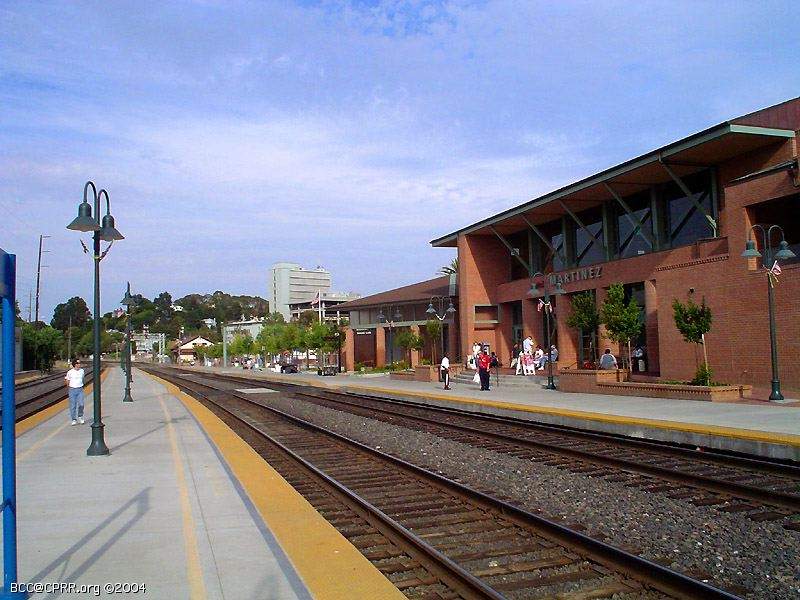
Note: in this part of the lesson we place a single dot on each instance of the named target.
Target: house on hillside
(185, 351)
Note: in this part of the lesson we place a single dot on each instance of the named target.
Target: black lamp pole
(770, 258)
(558, 291)
(446, 313)
(382, 319)
(128, 301)
(106, 232)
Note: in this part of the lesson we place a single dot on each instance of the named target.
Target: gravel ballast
(755, 560)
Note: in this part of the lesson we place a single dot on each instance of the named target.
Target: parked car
(289, 369)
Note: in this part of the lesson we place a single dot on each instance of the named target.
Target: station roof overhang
(705, 149)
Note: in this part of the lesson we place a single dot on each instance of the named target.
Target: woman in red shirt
(484, 363)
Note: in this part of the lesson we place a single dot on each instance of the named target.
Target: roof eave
(661, 153)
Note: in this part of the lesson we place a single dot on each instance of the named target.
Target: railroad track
(41, 393)
(760, 490)
(431, 536)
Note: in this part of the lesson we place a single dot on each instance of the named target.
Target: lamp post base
(776, 395)
(550, 385)
(98, 446)
(127, 397)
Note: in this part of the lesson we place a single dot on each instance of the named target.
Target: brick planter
(587, 380)
(615, 383)
(719, 393)
(403, 375)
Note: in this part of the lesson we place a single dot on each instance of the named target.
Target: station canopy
(684, 157)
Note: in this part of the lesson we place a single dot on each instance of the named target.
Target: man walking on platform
(74, 379)
(445, 369)
(484, 364)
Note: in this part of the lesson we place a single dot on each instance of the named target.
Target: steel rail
(47, 398)
(766, 465)
(664, 448)
(774, 498)
(452, 574)
(645, 571)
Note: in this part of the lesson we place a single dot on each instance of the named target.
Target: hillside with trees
(70, 329)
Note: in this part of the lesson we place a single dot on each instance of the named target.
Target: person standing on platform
(445, 369)
(74, 379)
(476, 352)
(608, 361)
(484, 364)
(515, 355)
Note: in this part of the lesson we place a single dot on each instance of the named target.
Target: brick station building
(367, 339)
(665, 223)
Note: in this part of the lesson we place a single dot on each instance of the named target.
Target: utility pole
(39, 272)
(69, 340)
(30, 306)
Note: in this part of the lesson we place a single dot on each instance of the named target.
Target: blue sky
(232, 135)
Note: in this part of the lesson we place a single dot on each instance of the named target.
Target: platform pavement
(762, 429)
(161, 510)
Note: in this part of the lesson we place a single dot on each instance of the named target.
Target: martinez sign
(595, 272)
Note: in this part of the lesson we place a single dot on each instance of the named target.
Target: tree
(408, 341)
(75, 308)
(623, 321)
(240, 345)
(585, 317)
(85, 345)
(434, 328)
(40, 346)
(451, 269)
(274, 317)
(307, 317)
(694, 322)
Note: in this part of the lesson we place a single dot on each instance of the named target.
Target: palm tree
(451, 269)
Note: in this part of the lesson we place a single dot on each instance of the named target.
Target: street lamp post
(382, 319)
(769, 260)
(127, 302)
(338, 334)
(446, 313)
(548, 309)
(106, 232)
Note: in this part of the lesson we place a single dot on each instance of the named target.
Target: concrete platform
(165, 509)
(762, 429)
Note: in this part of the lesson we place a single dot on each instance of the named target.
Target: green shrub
(703, 375)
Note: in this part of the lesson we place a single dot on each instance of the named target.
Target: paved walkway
(162, 510)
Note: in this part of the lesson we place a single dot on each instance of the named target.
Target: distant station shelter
(667, 224)
(373, 342)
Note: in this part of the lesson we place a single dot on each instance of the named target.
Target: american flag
(773, 273)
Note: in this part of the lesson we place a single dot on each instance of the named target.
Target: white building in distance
(292, 284)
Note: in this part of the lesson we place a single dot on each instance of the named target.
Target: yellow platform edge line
(787, 439)
(328, 564)
(30, 422)
(718, 430)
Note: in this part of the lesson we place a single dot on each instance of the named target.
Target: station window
(636, 291)
(686, 222)
(519, 241)
(554, 231)
(629, 241)
(783, 212)
(588, 244)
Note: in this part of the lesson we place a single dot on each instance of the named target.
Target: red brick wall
(482, 267)
(738, 345)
